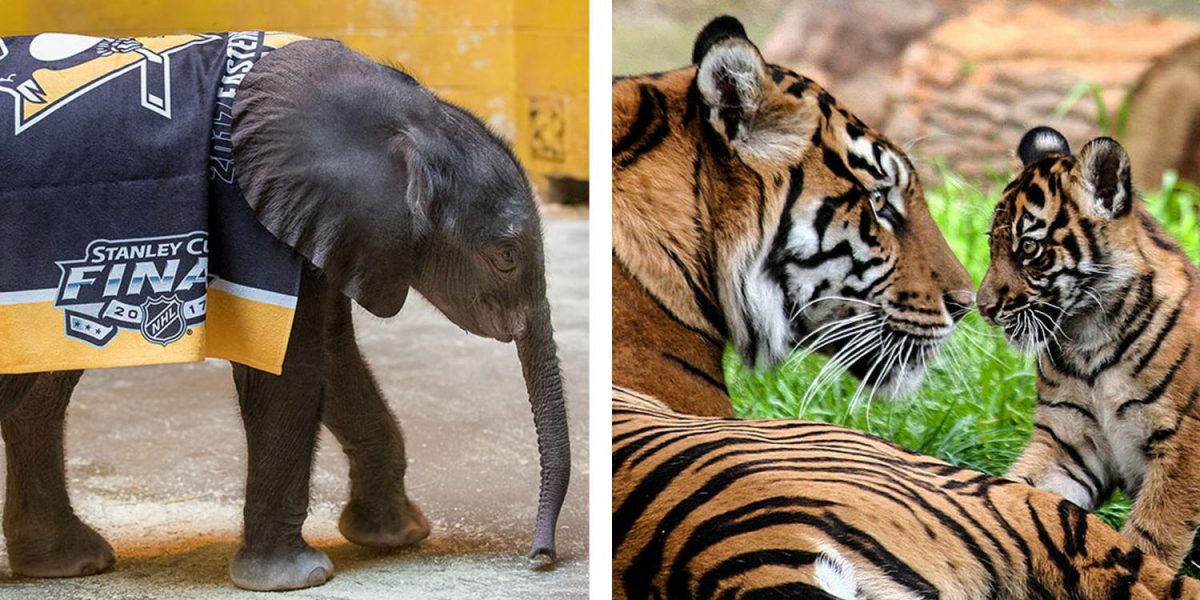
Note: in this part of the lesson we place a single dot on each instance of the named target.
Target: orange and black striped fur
(1083, 275)
(706, 507)
(749, 206)
(744, 195)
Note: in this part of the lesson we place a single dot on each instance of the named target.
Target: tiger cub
(1082, 275)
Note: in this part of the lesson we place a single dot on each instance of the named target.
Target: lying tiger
(750, 207)
(1083, 275)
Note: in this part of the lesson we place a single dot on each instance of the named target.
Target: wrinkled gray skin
(382, 187)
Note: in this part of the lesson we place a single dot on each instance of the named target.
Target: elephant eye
(504, 257)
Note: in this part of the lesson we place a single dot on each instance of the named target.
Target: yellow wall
(519, 64)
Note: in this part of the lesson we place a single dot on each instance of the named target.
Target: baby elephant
(381, 187)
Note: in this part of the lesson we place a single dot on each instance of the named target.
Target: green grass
(976, 407)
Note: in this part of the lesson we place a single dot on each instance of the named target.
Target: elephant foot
(68, 549)
(289, 568)
(387, 528)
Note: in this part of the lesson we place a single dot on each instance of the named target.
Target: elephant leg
(379, 513)
(43, 535)
(14, 389)
(281, 415)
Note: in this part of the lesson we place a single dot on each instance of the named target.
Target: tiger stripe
(707, 507)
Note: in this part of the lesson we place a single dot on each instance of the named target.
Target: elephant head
(385, 187)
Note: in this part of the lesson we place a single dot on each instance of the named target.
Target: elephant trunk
(543, 380)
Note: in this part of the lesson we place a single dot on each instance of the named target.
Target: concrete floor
(156, 463)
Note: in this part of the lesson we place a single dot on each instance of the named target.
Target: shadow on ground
(156, 463)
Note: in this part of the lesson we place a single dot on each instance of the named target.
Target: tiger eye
(1030, 248)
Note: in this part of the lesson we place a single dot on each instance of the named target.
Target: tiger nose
(958, 302)
(989, 311)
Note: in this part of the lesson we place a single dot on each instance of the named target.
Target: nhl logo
(162, 320)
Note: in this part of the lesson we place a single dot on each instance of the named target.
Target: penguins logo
(50, 70)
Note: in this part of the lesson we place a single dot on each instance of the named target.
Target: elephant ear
(324, 158)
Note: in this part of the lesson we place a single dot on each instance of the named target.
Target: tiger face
(759, 210)
(1061, 238)
(861, 254)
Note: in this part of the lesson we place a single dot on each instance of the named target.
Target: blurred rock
(851, 46)
(969, 89)
(1163, 128)
(963, 80)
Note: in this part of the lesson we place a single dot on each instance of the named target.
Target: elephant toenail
(317, 576)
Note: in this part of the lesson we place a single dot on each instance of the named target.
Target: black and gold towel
(123, 237)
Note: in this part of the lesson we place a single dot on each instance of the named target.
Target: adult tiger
(749, 206)
(705, 507)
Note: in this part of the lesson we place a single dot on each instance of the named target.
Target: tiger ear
(1106, 178)
(745, 106)
(1040, 142)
